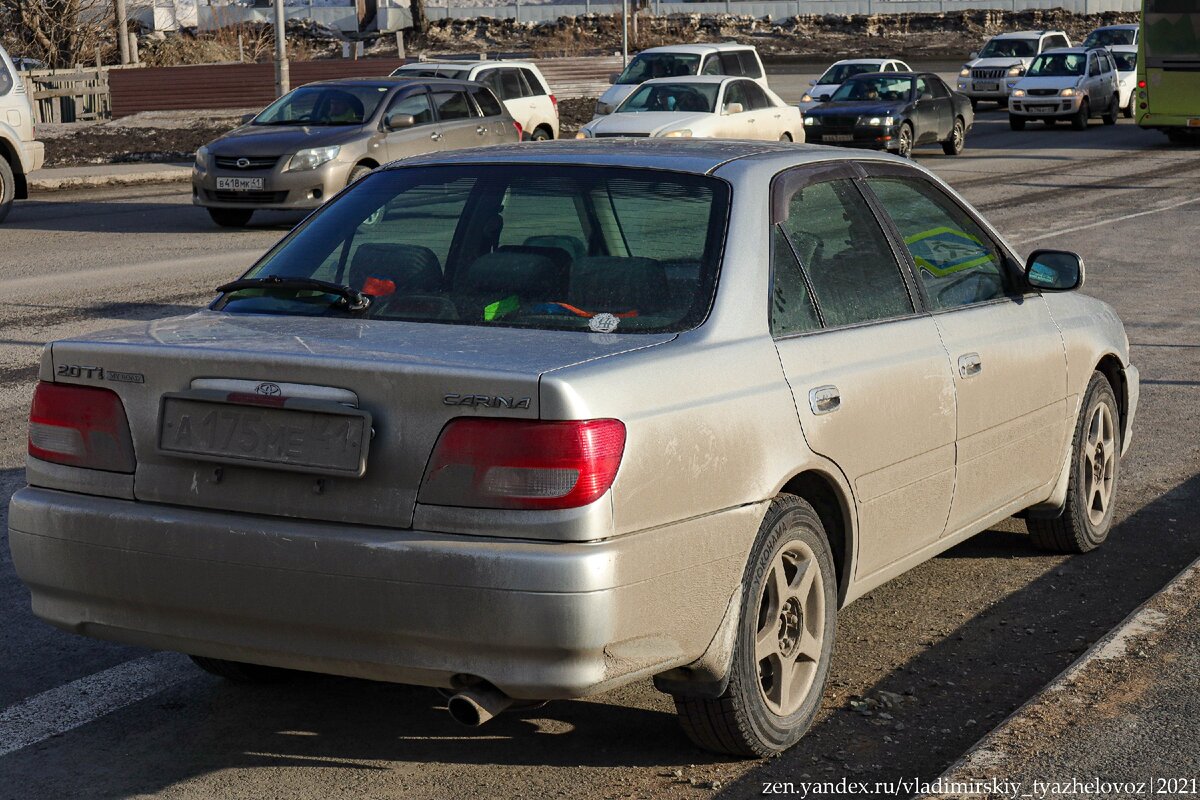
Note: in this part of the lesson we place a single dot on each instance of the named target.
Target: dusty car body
(768, 441)
(20, 152)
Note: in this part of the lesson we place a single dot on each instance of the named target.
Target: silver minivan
(20, 153)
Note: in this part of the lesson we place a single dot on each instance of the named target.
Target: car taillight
(554, 102)
(520, 130)
(81, 426)
(527, 464)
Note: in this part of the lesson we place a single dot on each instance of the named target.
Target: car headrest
(615, 284)
(383, 268)
(572, 244)
(528, 275)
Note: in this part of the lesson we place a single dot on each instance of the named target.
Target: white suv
(20, 153)
(518, 84)
(679, 60)
(1070, 84)
(991, 73)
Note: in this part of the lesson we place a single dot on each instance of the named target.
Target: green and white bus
(1168, 69)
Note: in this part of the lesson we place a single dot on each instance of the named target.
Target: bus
(1168, 69)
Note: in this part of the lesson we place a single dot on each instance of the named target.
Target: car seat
(572, 244)
(392, 268)
(530, 277)
(615, 284)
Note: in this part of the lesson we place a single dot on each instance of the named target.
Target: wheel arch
(547, 127)
(834, 506)
(367, 162)
(1110, 367)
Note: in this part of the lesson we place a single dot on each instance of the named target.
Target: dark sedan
(892, 111)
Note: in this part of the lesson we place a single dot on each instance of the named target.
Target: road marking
(1121, 218)
(79, 702)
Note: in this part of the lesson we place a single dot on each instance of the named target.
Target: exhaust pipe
(474, 706)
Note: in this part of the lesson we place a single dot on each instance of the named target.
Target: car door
(925, 111)
(943, 106)
(1094, 82)
(425, 136)
(505, 83)
(869, 376)
(1006, 352)
(459, 121)
(497, 129)
(735, 125)
(766, 121)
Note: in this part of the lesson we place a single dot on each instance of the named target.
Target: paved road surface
(971, 634)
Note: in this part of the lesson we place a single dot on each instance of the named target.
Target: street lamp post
(283, 78)
(624, 33)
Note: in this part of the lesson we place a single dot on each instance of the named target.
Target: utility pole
(283, 78)
(624, 33)
(122, 30)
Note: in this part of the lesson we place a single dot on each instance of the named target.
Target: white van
(679, 60)
(20, 154)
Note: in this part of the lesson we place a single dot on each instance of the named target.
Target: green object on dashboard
(500, 308)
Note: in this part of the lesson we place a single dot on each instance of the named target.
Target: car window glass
(843, 249)
(792, 309)
(730, 64)
(937, 87)
(755, 94)
(535, 86)
(735, 93)
(712, 66)
(1093, 67)
(487, 102)
(956, 260)
(533, 209)
(491, 79)
(922, 87)
(6, 80)
(902, 67)
(415, 104)
(749, 64)
(510, 84)
(452, 105)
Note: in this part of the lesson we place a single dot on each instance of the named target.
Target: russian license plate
(240, 184)
(1041, 109)
(290, 434)
(838, 137)
(987, 87)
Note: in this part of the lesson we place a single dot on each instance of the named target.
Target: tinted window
(755, 94)
(956, 260)
(792, 309)
(487, 102)
(730, 64)
(735, 93)
(712, 66)
(645, 66)
(452, 105)
(1126, 62)
(853, 272)
(324, 105)
(510, 84)
(749, 64)
(535, 86)
(880, 88)
(1009, 48)
(936, 86)
(1106, 38)
(415, 104)
(6, 80)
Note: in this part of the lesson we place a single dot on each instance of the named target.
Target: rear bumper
(538, 620)
(33, 155)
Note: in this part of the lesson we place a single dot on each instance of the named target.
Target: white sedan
(701, 106)
(841, 71)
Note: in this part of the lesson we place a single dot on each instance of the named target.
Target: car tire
(1095, 469)
(789, 601)
(238, 672)
(1080, 121)
(1131, 107)
(1114, 108)
(231, 217)
(358, 173)
(1016, 123)
(540, 134)
(974, 104)
(904, 141)
(958, 138)
(8, 188)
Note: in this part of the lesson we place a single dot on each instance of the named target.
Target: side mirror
(973, 56)
(823, 98)
(1054, 270)
(733, 108)
(926, 96)
(813, 82)
(613, 77)
(398, 122)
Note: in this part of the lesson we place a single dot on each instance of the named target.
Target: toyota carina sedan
(533, 423)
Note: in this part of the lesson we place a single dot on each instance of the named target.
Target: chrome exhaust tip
(474, 706)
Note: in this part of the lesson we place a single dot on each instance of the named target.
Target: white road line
(79, 702)
(1121, 218)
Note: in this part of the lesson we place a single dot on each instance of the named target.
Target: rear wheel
(8, 188)
(231, 217)
(1130, 107)
(784, 641)
(540, 135)
(1016, 123)
(238, 672)
(1114, 108)
(1080, 121)
(904, 142)
(958, 138)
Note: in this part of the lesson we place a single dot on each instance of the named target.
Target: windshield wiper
(354, 299)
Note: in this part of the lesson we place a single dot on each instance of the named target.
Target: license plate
(240, 184)
(838, 137)
(1194, 123)
(1041, 109)
(300, 435)
(987, 87)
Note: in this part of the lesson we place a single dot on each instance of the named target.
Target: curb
(1145, 619)
(54, 183)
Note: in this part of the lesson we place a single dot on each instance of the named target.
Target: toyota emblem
(243, 163)
(268, 389)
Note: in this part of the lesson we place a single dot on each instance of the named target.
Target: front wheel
(1016, 123)
(784, 641)
(1114, 108)
(8, 188)
(1095, 467)
(540, 135)
(359, 172)
(904, 144)
(231, 217)
(958, 138)
(1080, 121)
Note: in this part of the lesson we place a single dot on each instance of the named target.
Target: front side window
(875, 88)
(324, 105)
(754, 93)
(735, 93)
(956, 260)
(658, 65)
(936, 86)
(534, 246)
(1009, 48)
(846, 255)
(415, 104)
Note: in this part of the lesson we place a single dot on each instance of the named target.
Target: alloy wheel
(791, 628)
(1099, 469)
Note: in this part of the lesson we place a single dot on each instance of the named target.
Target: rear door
(495, 121)
(869, 376)
(1007, 355)
(943, 106)
(460, 122)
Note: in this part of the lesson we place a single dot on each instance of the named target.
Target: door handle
(481, 130)
(824, 400)
(969, 365)
(435, 136)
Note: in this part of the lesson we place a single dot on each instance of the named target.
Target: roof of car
(1123, 48)
(864, 61)
(1079, 50)
(1128, 26)
(700, 79)
(1023, 34)
(698, 48)
(697, 156)
(467, 63)
(388, 82)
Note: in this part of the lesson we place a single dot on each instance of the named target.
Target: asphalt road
(961, 641)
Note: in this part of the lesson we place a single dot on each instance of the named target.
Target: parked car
(1125, 57)
(396, 448)
(892, 111)
(520, 85)
(704, 106)
(837, 74)
(314, 141)
(991, 73)
(1110, 35)
(679, 61)
(1073, 84)
(20, 153)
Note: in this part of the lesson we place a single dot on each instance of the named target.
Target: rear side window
(755, 94)
(6, 79)
(536, 89)
(730, 64)
(452, 105)
(487, 102)
(749, 64)
(792, 309)
(712, 66)
(510, 84)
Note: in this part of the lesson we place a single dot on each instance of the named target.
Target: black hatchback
(892, 111)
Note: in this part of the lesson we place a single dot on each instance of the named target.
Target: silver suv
(991, 73)
(1072, 84)
(20, 153)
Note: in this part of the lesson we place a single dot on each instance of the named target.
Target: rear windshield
(659, 65)
(696, 97)
(1058, 64)
(879, 88)
(1009, 48)
(840, 73)
(324, 105)
(1106, 37)
(535, 246)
